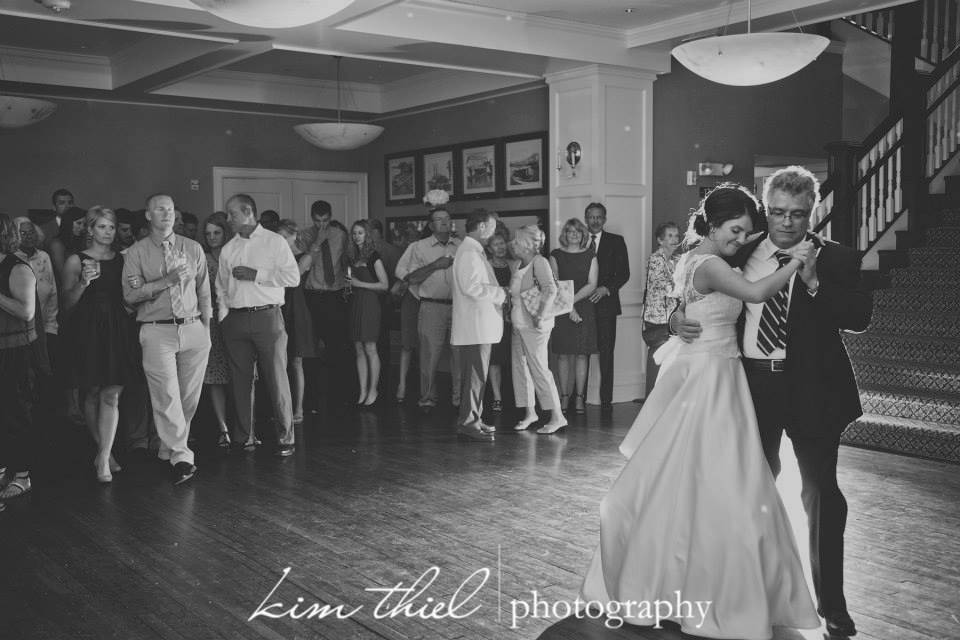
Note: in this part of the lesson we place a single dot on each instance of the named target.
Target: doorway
(290, 193)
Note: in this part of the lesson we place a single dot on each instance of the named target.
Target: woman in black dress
(367, 279)
(574, 336)
(102, 352)
(500, 353)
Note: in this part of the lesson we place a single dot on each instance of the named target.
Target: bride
(695, 509)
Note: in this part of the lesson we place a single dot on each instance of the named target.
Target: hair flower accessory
(436, 198)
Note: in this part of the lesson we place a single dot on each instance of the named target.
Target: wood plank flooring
(376, 499)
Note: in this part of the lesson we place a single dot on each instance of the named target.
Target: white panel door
(291, 193)
(343, 196)
(276, 194)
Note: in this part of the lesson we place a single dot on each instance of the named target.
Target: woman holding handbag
(533, 291)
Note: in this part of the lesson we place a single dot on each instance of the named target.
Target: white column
(609, 111)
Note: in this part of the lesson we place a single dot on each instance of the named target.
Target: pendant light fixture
(749, 59)
(273, 14)
(339, 135)
(17, 111)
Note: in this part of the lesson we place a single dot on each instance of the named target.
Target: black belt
(437, 300)
(763, 365)
(251, 309)
(174, 321)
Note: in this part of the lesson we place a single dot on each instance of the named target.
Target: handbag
(562, 304)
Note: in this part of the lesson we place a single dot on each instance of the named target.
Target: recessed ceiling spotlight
(56, 6)
(628, 10)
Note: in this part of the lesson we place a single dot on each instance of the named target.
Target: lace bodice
(716, 312)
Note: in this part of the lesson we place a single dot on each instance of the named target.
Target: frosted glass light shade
(17, 111)
(338, 136)
(750, 58)
(273, 14)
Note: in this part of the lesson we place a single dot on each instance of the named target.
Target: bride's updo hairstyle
(727, 201)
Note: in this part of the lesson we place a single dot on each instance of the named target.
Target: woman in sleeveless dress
(18, 364)
(574, 337)
(103, 352)
(367, 278)
(695, 509)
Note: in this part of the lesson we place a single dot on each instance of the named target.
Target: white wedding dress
(695, 509)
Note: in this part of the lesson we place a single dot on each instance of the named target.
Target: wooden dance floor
(374, 500)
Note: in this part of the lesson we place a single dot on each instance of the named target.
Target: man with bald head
(165, 279)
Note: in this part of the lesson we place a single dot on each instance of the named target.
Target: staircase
(880, 199)
(907, 363)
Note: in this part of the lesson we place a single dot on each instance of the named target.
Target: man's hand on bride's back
(686, 329)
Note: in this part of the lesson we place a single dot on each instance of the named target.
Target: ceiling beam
(148, 66)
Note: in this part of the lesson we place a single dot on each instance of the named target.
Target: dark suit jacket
(824, 396)
(613, 271)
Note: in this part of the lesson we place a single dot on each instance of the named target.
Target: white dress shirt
(270, 255)
(761, 263)
(599, 235)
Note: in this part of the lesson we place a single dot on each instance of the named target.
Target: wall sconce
(571, 156)
(714, 168)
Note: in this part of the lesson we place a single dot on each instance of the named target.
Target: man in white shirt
(425, 265)
(477, 321)
(255, 267)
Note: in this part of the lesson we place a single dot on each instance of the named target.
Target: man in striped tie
(799, 373)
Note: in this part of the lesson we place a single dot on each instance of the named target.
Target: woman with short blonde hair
(531, 332)
(103, 353)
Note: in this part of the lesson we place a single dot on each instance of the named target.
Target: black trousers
(607, 343)
(328, 310)
(822, 500)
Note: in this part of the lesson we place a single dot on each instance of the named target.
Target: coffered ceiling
(396, 54)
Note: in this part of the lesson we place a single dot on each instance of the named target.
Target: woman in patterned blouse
(656, 306)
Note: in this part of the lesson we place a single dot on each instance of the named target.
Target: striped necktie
(172, 261)
(772, 333)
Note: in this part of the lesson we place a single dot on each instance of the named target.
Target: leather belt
(252, 309)
(174, 321)
(764, 365)
(437, 300)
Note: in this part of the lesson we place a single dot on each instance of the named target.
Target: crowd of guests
(119, 320)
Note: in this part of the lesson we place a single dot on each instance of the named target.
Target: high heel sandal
(564, 403)
(114, 465)
(581, 407)
(551, 428)
(223, 441)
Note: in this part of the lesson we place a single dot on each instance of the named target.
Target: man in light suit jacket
(477, 321)
(613, 266)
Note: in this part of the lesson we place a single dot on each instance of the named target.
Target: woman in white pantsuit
(531, 333)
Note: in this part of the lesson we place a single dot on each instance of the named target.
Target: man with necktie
(165, 279)
(323, 288)
(613, 271)
(799, 373)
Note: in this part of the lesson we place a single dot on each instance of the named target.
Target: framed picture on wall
(478, 169)
(438, 171)
(401, 178)
(524, 165)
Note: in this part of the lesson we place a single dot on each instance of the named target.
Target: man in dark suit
(613, 272)
(798, 370)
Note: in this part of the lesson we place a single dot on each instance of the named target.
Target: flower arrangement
(436, 198)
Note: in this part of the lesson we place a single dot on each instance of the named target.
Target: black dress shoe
(183, 471)
(840, 625)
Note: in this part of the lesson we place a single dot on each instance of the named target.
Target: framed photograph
(524, 165)
(401, 178)
(438, 171)
(478, 169)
